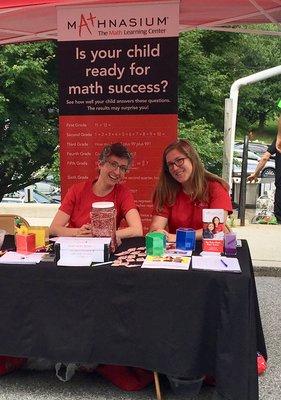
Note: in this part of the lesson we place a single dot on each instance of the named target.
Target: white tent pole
(230, 123)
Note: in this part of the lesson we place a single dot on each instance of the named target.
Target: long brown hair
(168, 188)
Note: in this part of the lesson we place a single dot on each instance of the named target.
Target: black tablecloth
(181, 323)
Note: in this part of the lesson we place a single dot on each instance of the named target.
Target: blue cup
(185, 239)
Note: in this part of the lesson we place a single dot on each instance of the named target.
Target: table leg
(157, 386)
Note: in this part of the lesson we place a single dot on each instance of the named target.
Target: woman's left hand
(169, 236)
(85, 230)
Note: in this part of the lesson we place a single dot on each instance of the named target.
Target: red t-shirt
(187, 213)
(79, 198)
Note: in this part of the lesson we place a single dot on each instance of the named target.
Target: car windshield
(40, 197)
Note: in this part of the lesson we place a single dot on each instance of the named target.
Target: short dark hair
(115, 149)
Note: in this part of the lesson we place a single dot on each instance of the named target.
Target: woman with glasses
(184, 189)
(73, 217)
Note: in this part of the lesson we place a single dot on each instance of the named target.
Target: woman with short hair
(73, 216)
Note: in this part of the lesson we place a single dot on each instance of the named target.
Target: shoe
(64, 372)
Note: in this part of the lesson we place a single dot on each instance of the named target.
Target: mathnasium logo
(91, 25)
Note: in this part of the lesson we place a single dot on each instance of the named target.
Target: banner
(118, 68)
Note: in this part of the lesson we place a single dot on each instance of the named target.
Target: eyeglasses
(114, 165)
(178, 163)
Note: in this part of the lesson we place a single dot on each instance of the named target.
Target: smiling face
(180, 167)
(113, 170)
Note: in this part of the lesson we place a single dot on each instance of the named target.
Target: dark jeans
(277, 203)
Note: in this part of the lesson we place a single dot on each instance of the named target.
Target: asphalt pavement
(35, 385)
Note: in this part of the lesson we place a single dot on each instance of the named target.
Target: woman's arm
(278, 138)
(158, 224)
(134, 225)
(59, 226)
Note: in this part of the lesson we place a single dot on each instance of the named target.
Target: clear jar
(103, 221)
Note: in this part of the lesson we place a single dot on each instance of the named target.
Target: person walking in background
(184, 189)
(274, 148)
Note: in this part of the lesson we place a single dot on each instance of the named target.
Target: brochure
(167, 261)
(213, 230)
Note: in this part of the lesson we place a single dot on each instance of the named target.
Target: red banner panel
(83, 137)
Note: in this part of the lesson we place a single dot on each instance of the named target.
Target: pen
(103, 263)
(224, 263)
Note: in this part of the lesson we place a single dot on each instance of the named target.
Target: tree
(28, 117)
(206, 140)
(209, 62)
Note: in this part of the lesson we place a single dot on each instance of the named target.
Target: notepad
(221, 264)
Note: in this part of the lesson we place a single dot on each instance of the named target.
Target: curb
(267, 271)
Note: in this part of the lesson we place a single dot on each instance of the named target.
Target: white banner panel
(118, 21)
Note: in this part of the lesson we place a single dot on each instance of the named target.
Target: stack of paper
(11, 257)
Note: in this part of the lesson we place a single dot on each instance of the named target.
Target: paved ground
(264, 242)
(27, 385)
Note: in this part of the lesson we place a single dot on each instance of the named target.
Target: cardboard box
(41, 235)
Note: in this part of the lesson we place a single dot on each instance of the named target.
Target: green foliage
(206, 140)
(209, 63)
(54, 170)
(28, 120)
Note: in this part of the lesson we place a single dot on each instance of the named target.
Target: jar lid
(103, 204)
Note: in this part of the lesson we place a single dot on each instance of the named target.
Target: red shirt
(79, 198)
(187, 213)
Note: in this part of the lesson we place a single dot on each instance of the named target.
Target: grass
(266, 135)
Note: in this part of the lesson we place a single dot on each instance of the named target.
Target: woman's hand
(85, 230)
(170, 237)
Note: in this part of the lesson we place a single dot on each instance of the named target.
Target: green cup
(155, 243)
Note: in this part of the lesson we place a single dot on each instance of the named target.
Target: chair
(10, 221)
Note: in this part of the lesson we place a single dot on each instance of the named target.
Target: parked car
(20, 197)
(47, 187)
(253, 159)
(255, 147)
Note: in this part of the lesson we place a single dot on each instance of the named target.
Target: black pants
(277, 203)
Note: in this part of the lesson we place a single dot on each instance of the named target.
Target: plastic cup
(155, 243)
(186, 387)
(185, 239)
(2, 237)
(230, 244)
